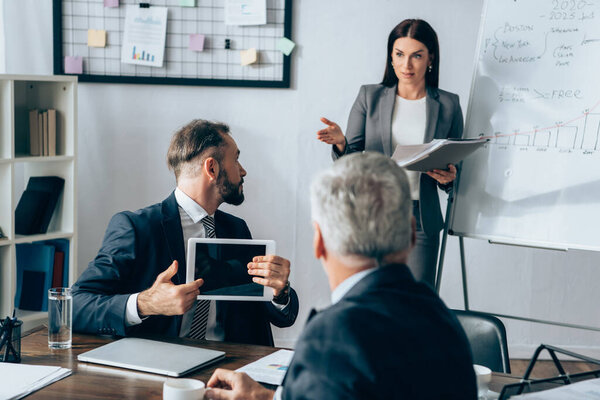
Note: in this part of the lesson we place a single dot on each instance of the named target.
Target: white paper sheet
(19, 380)
(270, 369)
(144, 36)
(245, 12)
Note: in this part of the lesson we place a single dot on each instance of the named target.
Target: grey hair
(363, 206)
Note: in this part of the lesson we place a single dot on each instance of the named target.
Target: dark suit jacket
(370, 128)
(140, 245)
(389, 337)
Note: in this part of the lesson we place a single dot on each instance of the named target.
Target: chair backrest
(487, 337)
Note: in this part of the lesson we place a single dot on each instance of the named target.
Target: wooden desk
(92, 381)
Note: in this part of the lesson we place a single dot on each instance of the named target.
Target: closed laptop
(152, 356)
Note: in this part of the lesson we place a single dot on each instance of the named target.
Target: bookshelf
(18, 95)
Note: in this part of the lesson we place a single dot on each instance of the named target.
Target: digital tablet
(223, 264)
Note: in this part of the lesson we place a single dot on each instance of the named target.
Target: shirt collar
(348, 284)
(191, 208)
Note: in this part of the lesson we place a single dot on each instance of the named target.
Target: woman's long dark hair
(423, 32)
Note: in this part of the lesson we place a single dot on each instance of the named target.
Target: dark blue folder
(35, 264)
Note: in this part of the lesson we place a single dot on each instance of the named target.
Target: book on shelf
(34, 139)
(62, 247)
(37, 204)
(436, 154)
(51, 132)
(42, 132)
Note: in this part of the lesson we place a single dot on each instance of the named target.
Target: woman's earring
(430, 68)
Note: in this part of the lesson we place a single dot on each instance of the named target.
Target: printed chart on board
(536, 95)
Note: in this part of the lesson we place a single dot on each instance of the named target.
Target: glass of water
(60, 318)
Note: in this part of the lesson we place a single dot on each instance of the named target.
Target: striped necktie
(198, 328)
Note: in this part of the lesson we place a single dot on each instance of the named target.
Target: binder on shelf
(30, 211)
(35, 265)
(34, 138)
(37, 204)
(436, 154)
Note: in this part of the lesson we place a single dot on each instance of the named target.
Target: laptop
(223, 264)
(152, 356)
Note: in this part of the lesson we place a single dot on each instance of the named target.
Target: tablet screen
(224, 268)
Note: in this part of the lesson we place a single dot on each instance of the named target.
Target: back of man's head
(197, 138)
(363, 207)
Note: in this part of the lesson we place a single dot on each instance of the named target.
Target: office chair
(487, 337)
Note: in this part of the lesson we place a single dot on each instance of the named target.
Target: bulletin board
(214, 66)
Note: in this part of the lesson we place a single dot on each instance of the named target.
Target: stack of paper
(270, 369)
(19, 380)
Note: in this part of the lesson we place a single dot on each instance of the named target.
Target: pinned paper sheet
(144, 35)
(187, 3)
(285, 45)
(73, 65)
(248, 57)
(111, 3)
(196, 42)
(96, 38)
(245, 12)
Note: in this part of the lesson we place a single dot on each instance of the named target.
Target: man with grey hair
(384, 332)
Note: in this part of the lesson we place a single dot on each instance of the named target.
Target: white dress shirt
(409, 120)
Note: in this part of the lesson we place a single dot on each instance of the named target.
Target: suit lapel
(433, 110)
(386, 108)
(174, 235)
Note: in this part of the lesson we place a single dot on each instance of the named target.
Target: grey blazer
(370, 128)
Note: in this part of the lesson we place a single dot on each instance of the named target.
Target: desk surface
(95, 381)
(92, 381)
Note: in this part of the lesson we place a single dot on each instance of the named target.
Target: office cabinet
(19, 94)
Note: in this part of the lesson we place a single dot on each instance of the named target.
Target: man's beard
(230, 192)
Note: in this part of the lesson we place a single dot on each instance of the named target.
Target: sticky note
(111, 3)
(96, 38)
(196, 42)
(286, 46)
(248, 57)
(73, 65)
(187, 3)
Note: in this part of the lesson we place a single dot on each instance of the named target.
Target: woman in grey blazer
(407, 107)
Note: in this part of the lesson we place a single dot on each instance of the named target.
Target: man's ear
(210, 167)
(318, 243)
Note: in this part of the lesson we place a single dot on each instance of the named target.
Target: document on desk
(19, 380)
(270, 369)
(588, 390)
(436, 154)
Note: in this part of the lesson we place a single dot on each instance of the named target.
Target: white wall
(124, 131)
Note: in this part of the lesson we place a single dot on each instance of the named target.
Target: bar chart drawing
(590, 132)
(582, 133)
(541, 138)
(566, 137)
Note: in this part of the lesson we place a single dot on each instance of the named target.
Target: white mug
(484, 376)
(183, 389)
